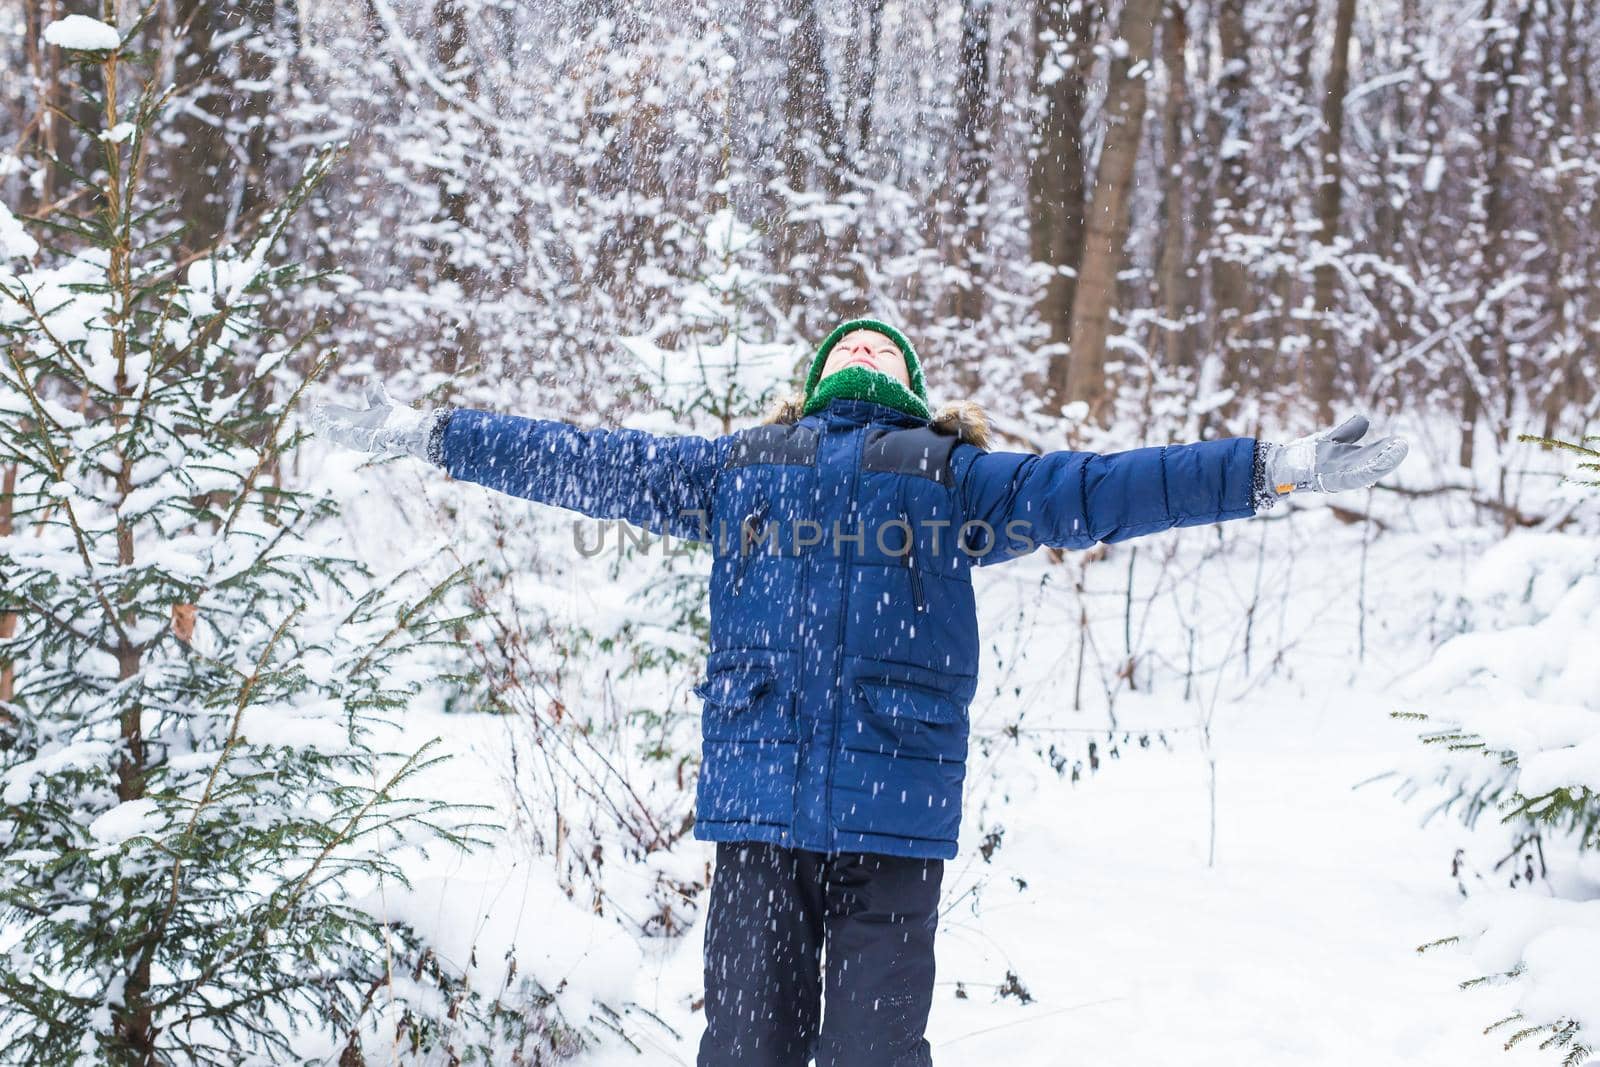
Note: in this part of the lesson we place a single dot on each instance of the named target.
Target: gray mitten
(1330, 461)
(382, 427)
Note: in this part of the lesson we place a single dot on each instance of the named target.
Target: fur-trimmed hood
(964, 420)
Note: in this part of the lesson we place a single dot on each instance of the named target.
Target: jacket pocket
(734, 688)
(746, 702)
(900, 720)
(749, 757)
(901, 764)
(910, 701)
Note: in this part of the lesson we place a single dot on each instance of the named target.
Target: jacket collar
(964, 420)
(848, 411)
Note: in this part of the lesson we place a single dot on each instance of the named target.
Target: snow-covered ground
(1297, 945)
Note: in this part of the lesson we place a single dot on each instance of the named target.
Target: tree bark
(451, 47)
(218, 184)
(1108, 213)
(811, 126)
(623, 15)
(1063, 33)
(1330, 188)
(1230, 283)
(1303, 36)
(1177, 292)
(1495, 105)
(973, 158)
(813, 141)
(44, 62)
(867, 82)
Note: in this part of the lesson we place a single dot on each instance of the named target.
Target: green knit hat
(859, 383)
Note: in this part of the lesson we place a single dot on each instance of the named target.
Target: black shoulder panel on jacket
(921, 451)
(774, 443)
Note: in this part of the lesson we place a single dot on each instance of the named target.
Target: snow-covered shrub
(590, 648)
(1512, 706)
(194, 793)
(710, 367)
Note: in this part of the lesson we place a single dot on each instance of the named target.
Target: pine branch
(271, 448)
(154, 935)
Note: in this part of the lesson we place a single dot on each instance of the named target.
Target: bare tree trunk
(867, 82)
(1063, 34)
(1567, 261)
(451, 45)
(1330, 144)
(1304, 37)
(44, 62)
(1177, 293)
(1229, 281)
(253, 98)
(808, 114)
(218, 184)
(813, 140)
(624, 17)
(1108, 213)
(973, 158)
(1495, 104)
(1300, 166)
(627, 167)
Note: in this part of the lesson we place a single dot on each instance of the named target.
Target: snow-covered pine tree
(1513, 729)
(190, 792)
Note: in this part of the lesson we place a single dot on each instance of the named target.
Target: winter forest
(316, 756)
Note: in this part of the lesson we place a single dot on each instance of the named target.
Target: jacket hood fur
(965, 420)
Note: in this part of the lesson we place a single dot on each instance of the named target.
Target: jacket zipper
(854, 453)
(910, 559)
(910, 556)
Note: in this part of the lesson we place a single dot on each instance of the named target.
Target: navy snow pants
(785, 924)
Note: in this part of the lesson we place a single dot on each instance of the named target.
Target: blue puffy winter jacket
(844, 654)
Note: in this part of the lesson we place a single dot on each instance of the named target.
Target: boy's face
(869, 349)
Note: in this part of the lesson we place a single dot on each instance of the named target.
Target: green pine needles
(1588, 458)
(193, 797)
(1524, 764)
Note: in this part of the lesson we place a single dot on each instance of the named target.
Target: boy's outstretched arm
(658, 482)
(1074, 499)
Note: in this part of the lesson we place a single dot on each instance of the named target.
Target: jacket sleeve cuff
(436, 428)
(1262, 494)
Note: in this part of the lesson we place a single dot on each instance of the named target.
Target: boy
(844, 648)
